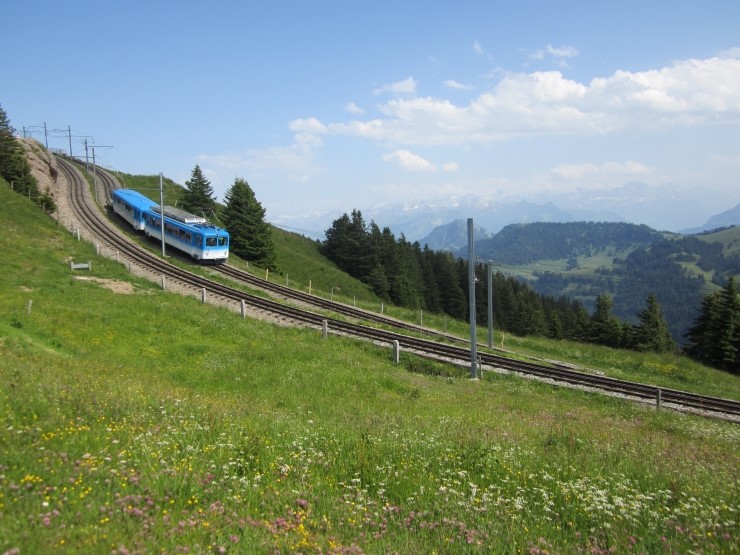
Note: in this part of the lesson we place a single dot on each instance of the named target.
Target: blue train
(186, 232)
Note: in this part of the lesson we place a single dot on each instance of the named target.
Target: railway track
(90, 216)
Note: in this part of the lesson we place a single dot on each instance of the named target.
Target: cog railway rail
(89, 214)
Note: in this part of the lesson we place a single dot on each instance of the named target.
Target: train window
(222, 241)
(210, 241)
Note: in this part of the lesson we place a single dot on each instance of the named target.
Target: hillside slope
(625, 261)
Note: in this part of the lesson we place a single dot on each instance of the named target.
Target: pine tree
(714, 339)
(701, 336)
(14, 166)
(379, 283)
(251, 235)
(652, 333)
(604, 329)
(198, 197)
(338, 246)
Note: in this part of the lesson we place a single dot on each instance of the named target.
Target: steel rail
(90, 214)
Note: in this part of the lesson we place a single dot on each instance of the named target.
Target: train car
(188, 233)
(131, 206)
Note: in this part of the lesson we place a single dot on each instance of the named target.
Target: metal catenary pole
(490, 304)
(161, 207)
(471, 308)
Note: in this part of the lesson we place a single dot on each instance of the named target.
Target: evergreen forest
(656, 271)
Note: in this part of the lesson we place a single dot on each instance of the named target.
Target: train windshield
(223, 241)
(210, 241)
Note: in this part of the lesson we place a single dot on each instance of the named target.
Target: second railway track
(88, 211)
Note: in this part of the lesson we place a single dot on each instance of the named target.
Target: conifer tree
(714, 339)
(604, 329)
(198, 197)
(251, 235)
(14, 166)
(652, 333)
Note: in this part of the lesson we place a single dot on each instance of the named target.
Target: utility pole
(490, 304)
(95, 177)
(471, 308)
(161, 208)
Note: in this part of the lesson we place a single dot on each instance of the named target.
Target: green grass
(148, 422)
(730, 239)
(303, 267)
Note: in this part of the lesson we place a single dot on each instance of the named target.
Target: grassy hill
(729, 238)
(135, 420)
(628, 262)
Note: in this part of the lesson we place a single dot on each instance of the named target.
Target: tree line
(16, 170)
(415, 277)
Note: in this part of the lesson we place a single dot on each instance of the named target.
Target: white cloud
(560, 54)
(410, 161)
(562, 51)
(478, 49)
(296, 160)
(687, 93)
(452, 84)
(588, 170)
(353, 108)
(451, 167)
(407, 86)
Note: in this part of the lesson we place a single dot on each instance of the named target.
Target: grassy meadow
(138, 421)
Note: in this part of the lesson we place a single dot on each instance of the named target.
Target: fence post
(396, 351)
(163, 285)
(244, 309)
(203, 295)
(659, 398)
(324, 328)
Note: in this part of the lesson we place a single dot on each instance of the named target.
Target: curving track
(90, 216)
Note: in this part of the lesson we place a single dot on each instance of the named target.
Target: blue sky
(339, 105)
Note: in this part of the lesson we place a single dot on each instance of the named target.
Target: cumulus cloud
(407, 86)
(687, 93)
(410, 161)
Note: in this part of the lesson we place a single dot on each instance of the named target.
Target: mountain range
(665, 208)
